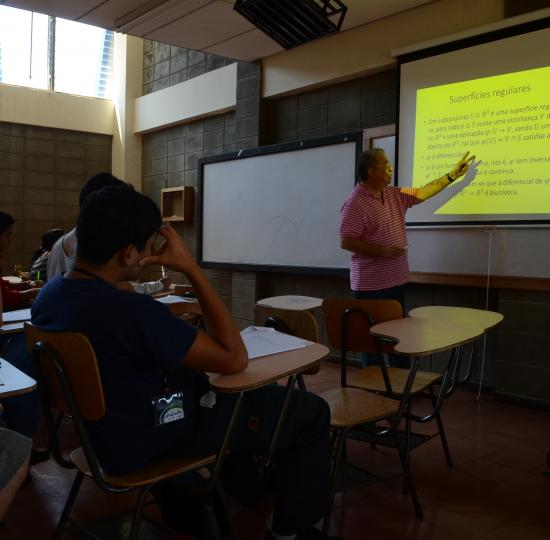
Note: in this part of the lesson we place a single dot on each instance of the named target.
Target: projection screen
(493, 100)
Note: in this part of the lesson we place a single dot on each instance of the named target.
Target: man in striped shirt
(372, 227)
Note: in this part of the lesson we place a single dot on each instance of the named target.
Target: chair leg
(226, 510)
(408, 479)
(211, 528)
(407, 446)
(69, 503)
(442, 435)
(339, 439)
(138, 512)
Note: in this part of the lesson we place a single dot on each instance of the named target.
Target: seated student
(39, 261)
(142, 350)
(15, 453)
(63, 252)
(18, 295)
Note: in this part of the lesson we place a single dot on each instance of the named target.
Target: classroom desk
(14, 382)
(269, 369)
(12, 328)
(461, 315)
(419, 336)
(291, 301)
(13, 321)
(266, 370)
(12, 279)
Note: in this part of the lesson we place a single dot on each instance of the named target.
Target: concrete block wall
(170, 156)
(41, 173)
(165, 65)
(358, 104)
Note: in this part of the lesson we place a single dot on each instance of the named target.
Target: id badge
(168, 408)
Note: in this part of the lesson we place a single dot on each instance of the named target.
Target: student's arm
(355, 245)
(28, 296)
(222, 349)
(437, 185)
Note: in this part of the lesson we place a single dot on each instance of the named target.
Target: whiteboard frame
(356, 137)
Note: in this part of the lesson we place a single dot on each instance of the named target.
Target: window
(55, 54)
(86, 68)
(23, 48)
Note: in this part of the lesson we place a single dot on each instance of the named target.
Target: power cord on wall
(490, 232)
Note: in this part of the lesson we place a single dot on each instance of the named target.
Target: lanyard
(87, 273)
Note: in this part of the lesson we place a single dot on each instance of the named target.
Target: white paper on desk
(261, 341)
(17, 315)
(173, 299)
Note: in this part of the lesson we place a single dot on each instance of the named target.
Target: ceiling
(208, 25)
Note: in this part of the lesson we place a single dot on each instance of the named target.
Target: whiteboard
(277, 206)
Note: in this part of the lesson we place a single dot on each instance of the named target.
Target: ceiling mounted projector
(294, 22)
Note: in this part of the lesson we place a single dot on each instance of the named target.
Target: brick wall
(41, 173)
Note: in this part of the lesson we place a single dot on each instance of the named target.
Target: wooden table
(266, 370)
(269, 369)
(461, 315)
(419, 336)
(14, 382)
(291, 301)
(13, 321)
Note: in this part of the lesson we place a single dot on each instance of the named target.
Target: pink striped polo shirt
(367, 218)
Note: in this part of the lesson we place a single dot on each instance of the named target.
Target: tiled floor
(496, 491)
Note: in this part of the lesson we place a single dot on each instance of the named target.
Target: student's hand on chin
(173, 253)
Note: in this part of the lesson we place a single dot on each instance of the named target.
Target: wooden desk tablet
(291, 301)
(459, 315)
(269, 369)
(13, 381)
(424, 336)
(12, 328)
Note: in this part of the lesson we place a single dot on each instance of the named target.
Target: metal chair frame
(382, 434)
(212, 487)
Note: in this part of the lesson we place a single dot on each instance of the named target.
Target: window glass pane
(83, 59)
(23, 61)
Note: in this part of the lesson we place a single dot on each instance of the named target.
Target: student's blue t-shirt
(139, 347)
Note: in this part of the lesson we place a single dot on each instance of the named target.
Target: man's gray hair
(367, 160)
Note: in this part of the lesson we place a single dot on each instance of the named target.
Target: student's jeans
(21, 413)
(393, 293)
(300, 472)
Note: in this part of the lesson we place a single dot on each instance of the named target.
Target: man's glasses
(387, 165)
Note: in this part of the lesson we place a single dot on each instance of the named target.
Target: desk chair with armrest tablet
(301, 324)
(389, 381)
(69, 382)
(354, 408)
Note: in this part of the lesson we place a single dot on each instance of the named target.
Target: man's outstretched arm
(434, 187)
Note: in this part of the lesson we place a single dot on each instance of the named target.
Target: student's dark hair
(113, 218)
(49, 238)
(366, 161)
(95, 182)
(6, 221)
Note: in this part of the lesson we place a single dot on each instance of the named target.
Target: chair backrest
(359, 316)
(69, 355)
(299, 323)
